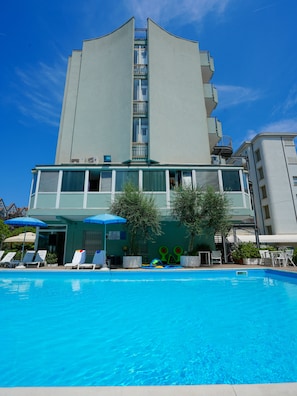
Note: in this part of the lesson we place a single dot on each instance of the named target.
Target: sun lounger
(29, 255)
(39, 259)
(99, 261)
(79, 257)
(1, 254)
(7, 259)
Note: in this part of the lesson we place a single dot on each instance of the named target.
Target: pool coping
(286, 389)
(275, 389)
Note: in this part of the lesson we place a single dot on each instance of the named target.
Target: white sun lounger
(7, 259)
(39, 259)
(29, 255)
(99, 261)
(79, 257)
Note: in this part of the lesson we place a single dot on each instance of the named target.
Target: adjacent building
(272, 164)
(137, 107)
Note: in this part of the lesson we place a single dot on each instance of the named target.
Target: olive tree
(142, 215)
(201, 211)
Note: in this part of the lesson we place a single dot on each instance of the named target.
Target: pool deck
(289, 389)
(280, 389)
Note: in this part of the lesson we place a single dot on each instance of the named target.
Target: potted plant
(246, 253)
(143, 221)
(201, 211)
(51, 259)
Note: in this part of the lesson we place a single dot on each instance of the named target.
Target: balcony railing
(207, 66)
(211, 97)
(140, 70)
(140, 108)
(139, 151)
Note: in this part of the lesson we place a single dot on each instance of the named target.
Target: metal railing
(139, 151)
(140, 108)
(140, 70)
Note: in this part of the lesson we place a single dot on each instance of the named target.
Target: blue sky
(253, 43)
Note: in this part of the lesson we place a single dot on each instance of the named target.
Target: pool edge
(281, 389)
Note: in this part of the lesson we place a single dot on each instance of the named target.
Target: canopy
(277, 238)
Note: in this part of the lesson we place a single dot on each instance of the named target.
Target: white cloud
(284, 125)
(40, 91)
(232, 95)
(164, 11)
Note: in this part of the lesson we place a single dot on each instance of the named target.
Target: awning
(280, 238)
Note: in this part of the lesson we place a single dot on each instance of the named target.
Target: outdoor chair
(99, 261)
(7, 259)
(1, 254)
(265, 257)
(39, 259)
(290, 254)
(79, 257)
(29, 255)
(216, 257)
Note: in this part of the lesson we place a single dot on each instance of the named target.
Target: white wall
(177, 114)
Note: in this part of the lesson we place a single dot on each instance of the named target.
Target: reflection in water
(75, 284)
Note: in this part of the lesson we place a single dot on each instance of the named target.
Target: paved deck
(289, 389)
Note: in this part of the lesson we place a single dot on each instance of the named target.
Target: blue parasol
(105, 219)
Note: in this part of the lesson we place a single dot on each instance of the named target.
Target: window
(261, 173)
(208, 178)
(263, 192)
(124, 177)
(48, 181)
(105, 181)
(140, 55)
(154, 181)
(140, 90)
(257, 155)
(231, 180)
(295, 180)
(266, 212)
(140, 130)
(180, 178)
(94, 180)
(245, 182)
(73, 181)
(34, 183)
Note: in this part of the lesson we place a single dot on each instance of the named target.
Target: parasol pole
(23, 247)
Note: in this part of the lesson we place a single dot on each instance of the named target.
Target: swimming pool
(147, 328)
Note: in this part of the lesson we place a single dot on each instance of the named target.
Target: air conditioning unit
(92, 160)
(215, 160)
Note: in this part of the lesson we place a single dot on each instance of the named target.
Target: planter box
(251, 261)
(190, 261)
(132, 262)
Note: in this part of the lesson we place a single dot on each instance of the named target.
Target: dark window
(231, 180)
(73, 181)
(125, 177)
(154, 181)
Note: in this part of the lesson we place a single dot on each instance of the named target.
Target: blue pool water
(147, 328)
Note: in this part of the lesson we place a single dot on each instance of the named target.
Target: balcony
(207, 66)
(140, 108)
(139, 151)
(211, 97)
(140, 70)
(223, 147)
(214, 131)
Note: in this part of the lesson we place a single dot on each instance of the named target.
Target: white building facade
(137, 107)
(272, 162)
